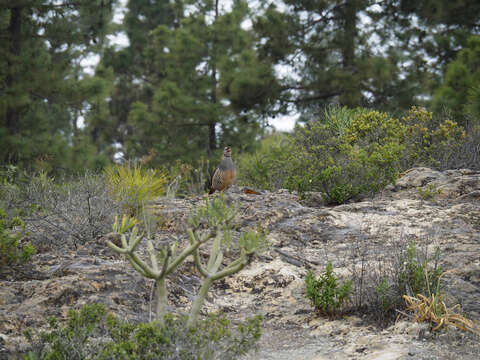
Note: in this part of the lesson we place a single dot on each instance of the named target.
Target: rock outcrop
(432, 208)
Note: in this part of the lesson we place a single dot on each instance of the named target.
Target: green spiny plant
(220, 216)
(162, 262)
(325, 293)
(133, 186)
(212, 221)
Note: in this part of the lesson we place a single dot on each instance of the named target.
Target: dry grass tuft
(432, 309)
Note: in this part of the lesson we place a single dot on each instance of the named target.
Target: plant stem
(161, 299)
(198, 302)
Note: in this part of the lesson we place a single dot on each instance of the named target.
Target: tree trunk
(349, 94)
(212, 136)
(15, 37)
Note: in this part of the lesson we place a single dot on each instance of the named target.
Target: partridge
(224, 174)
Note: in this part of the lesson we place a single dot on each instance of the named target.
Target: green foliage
(11, 231)
(325, 293)
(215, 214)
(384, 296)
(267, 167)
(92, 333)
(254, 241)
(431, 141)
(429, 191)
(133, 186)
(206, 84)
(338, 65)
(462, 79)
(347, 154)
(420, 275)
(44, 88)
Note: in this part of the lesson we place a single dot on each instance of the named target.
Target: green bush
(347, 154)
(430, 141)
(268, 167)
(92, 333)
(325, 294)
(134, 186)
(11, 231)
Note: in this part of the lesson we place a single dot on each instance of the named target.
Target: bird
(224, 175)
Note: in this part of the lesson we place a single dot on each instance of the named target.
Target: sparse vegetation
(185, 179)
(429, 191)
(166, 84)
(93, 333)
(378, 287)
(433, 310)
(61, 212)
(431, 307)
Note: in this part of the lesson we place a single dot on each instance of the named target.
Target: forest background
(197, 75)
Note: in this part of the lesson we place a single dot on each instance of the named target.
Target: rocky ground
(433, 208)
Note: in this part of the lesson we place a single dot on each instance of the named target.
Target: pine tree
(41, 77)
(460, 90)
(203, 87)
(335, 55)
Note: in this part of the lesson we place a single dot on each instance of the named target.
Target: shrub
(11, 231)
(325, 294)
(61, 212)
(347, 154)
(350, 153)
(92, 333)
(133, 186)
(269, 166)
(431, 141)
